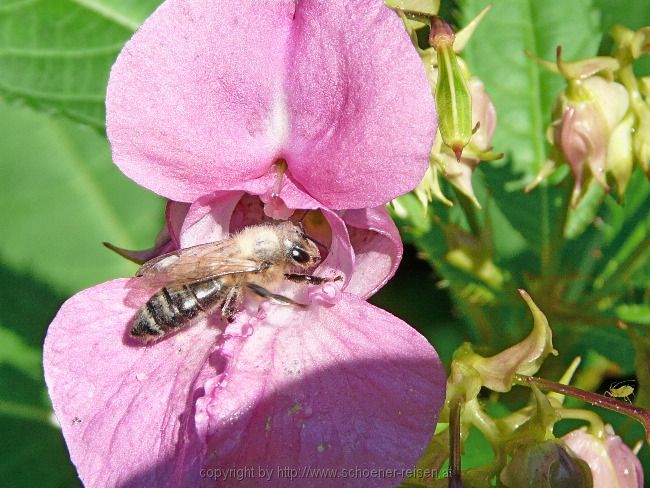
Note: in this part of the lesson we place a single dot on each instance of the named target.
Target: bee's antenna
(318, 243)
(303, 217)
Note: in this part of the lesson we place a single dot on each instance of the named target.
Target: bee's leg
(231, 303)
(311, 279)
(264, 293)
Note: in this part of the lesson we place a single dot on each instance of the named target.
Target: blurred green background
(61, 196)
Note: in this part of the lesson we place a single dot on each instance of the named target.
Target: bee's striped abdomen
(174, 306)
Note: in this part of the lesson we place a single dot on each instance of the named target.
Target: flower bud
(484, 118)
(545, 465)
(429, 188)
(590, 110)
(619, 161)
(452, 92)
(612, 463)
(526, 357)
(641, 138)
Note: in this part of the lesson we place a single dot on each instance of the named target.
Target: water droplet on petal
(141, 376)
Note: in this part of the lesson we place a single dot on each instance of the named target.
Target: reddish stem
(638, 413)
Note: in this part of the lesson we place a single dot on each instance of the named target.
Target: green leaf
(521, 209)
(583, 215)
(61, 198)
(33, 454)
(30, 436)
(522, 92)
(631, 14)
(56, 55)
(610, 342)
(18, 354)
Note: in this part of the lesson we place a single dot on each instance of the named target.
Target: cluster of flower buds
(467, 117)
(527, 453)
(601, 121)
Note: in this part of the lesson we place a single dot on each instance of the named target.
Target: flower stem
(470, 212)
(454, 444)
(638, 413)
(596, 426)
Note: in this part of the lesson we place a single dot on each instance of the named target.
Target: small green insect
(620, 391)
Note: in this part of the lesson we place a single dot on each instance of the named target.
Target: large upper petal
(120, 404)
(362, 117)
(210, 94)
(347, 386)
(191, 97)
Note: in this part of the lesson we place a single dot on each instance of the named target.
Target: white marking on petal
(278, 121)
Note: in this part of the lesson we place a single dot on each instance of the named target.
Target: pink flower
(242, 112)
(612, 463)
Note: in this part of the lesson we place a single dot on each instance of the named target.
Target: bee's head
(300, 249)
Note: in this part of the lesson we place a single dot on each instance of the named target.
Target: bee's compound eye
(300, 255)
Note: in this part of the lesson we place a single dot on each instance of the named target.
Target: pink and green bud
(589, 111)
(526, 357)
(612, 463)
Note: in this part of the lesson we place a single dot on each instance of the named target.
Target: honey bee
(195, 281)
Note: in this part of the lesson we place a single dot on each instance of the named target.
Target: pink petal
(208, 95)
(190, 97)
(377, 248)
(123, 407)
(626, 464)
(175, 213)
(347, 386)
(340, 260)
(612, 463)
(208, 218)
(363, 119)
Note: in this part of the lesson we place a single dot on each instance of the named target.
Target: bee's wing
(196, 263)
